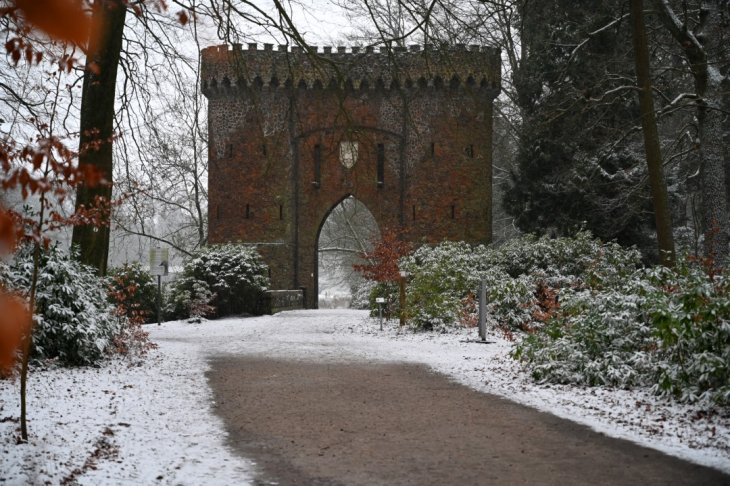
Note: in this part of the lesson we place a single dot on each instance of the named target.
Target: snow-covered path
(152, 421)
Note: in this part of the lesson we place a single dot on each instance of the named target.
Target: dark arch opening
(347, 230)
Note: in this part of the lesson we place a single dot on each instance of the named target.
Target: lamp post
(402, 300)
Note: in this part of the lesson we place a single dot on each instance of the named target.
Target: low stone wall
(274, 301)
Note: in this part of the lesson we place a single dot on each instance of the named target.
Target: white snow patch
(160, 409)
(153, 415)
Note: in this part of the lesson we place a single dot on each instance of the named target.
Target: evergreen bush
(443, 276)
(133, 288)
(74, 320)
(689, 311)
(219, 280)
(664, 328)
(596, 339)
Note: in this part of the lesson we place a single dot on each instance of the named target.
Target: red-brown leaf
(14, 326)
(182, 17)
(61, 19)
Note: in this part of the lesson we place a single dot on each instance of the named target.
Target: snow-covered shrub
(444, 278)
(361, 293)
(390, 292)
(690, 312)
(219, 280)
(74, 321)
(665, 328)
(511, 301)
(133, 289)
(439, 278)
(597, 339)
(595, 263)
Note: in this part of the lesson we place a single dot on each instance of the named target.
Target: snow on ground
(135, 422)
(129, 422)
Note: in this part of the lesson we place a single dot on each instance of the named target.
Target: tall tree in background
(97, 123)
(575, 166)
(152, 61)
(651, 137)
(703, 33)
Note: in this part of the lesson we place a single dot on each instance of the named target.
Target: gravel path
(386, 423)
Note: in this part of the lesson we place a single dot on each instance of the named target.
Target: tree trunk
(713, 170)
(708, 37)
(651, 137)
(97, 124)
(713, 122)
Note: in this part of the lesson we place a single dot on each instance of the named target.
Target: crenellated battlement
(227, 70)
(293, 131)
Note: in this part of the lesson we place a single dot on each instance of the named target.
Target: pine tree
(574, 169)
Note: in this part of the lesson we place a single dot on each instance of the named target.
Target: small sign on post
(159, 261)
(159, 265)
(380, 301)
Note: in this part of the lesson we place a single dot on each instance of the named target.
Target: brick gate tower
(408, 132)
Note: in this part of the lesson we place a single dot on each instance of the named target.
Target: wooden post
(402, 283)
(483, 310)
(159, 299)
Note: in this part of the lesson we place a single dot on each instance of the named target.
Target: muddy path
(310, 423)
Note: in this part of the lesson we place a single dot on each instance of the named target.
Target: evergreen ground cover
(584, 312)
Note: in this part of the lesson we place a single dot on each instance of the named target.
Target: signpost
(159, 265)
(483, 310)
(402, 297)
(380, 301)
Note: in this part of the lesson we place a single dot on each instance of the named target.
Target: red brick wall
(437, 178)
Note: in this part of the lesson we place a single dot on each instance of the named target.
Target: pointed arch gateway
(347, 230)
(413, 145)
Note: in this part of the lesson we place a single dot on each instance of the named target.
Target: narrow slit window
(413, 212)
(281, 211)
(433, 149)
(263, 149)
(453, 211)
(317, 165)
(381, 165)
(469, 151)
(217, 211)
(248, 211)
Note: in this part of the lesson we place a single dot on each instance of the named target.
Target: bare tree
(651, 137)
(702, 33)
(97, 123)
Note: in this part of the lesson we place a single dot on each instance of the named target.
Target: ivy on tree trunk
(97, 124)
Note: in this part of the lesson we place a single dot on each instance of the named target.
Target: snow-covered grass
(154, 418)
(130, 421)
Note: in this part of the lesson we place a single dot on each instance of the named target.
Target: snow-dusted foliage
(690, 312)
(132, 287)
(217, 281)
(521, 277)
(585, 312)
(361, 294)
(440, 277)
(582, 257)
(73, 319)
(388, 291)
(669, 329)
(597, 338)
